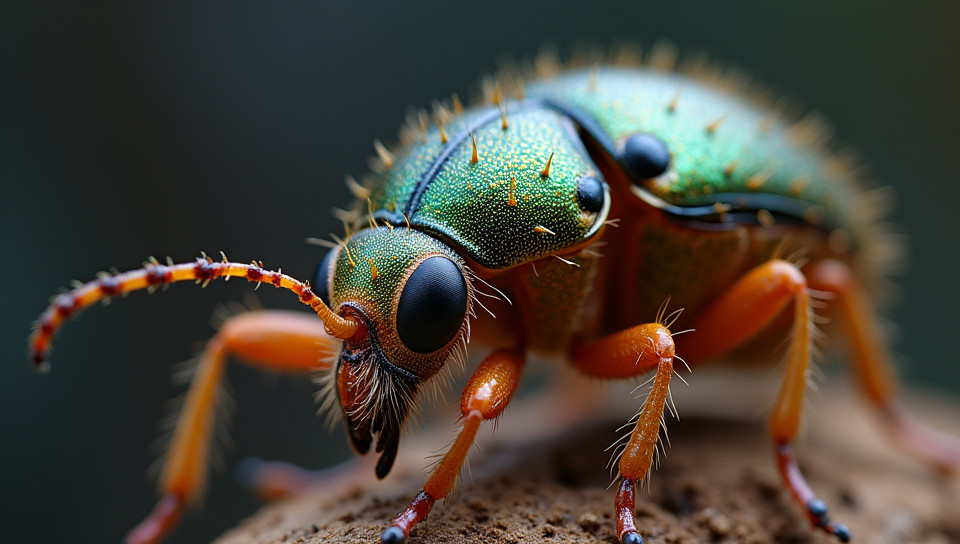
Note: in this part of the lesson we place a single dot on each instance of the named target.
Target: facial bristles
(153, 275)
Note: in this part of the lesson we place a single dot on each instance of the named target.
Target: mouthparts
(375, 397)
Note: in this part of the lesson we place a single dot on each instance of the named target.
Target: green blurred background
(136, 130)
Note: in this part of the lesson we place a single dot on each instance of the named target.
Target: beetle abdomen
(723, 148)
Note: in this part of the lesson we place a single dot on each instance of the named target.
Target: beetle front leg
(485, 396)
(739, 314)
(279, 341)
(627, 353)
(871, 362)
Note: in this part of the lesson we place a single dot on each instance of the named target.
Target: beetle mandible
(712, 200)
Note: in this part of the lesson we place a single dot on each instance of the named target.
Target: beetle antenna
(152, 275)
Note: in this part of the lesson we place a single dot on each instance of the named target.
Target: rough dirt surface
(718, 483)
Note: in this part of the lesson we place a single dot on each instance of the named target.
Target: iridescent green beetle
(695, 192)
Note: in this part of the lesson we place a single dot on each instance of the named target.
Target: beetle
(569, 204)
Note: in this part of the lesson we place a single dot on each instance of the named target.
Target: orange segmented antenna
(154, 275)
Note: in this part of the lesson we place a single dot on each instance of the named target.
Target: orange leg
(874, 371)
(278, 341)
(487, 393)
(627, 353)
(739, 314)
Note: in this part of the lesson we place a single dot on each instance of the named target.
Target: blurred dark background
(136, 130)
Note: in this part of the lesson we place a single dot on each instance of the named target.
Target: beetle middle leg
(740, 313)
(628, 353)
(485, 396)
(279, 341)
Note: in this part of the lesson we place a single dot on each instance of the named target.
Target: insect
(569, 204)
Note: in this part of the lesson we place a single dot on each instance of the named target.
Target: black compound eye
(321, 278)
(432, 305)
(591, 194)
(645, 155)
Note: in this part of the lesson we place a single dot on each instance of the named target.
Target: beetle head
(412, 295)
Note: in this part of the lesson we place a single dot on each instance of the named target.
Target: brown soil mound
(718, 483)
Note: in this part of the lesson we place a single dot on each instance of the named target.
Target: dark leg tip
(393, 535)
(842, 533)
(817, 507)
(632, 538)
